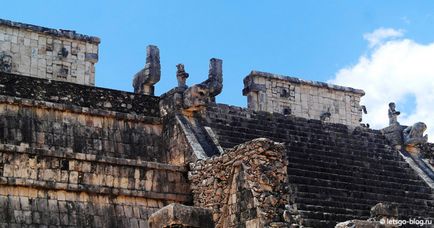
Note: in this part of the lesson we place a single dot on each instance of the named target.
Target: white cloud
(396, 70)
(381, 35)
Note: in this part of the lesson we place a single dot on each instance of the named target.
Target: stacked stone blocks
(48, 53)
(244, 187)
(307, 99)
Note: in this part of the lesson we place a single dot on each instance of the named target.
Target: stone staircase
(335, 174)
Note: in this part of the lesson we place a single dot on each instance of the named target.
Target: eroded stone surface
(177, 215)
(308, 99)
(145, 79)
(40, 52)
(244, 186)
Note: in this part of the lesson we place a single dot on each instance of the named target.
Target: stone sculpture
(5, 62)
(413, 135)
(205, 92)
(393, 114)
(146, 78)
(181, 76)
(325, 116)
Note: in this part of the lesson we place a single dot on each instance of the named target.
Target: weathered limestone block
(427, 151)
(383, 215)
(81, 132)
(73, 97)
(384, 211)
(70, 171)
(53, 54)
(362, 224)
(308, 99)
(29, 207)
(146, 78)
(178, 215)
(393, 133)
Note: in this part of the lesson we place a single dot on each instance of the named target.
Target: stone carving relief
(5, 62)
(196, 97)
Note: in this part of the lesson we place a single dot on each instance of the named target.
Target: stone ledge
(71, 95)
(64, 153)
(51, 185)
(78, 109)
(50, 31)
(305, 82)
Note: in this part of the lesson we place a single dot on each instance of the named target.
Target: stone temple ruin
(76, 155)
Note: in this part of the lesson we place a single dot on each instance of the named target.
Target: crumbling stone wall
(244, 187)
(307, 99)
(428, 152)
(55, 187)
(48, 53)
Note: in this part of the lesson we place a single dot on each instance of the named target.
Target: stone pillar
(178, 215)
(145, 79)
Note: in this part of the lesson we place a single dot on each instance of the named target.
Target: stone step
(298, 167)
(335, 173)
(334, 218)
(384, 155)
(354, 162)
(326, 197)
(315, 223)
(337, 168)
(327, 178)
(362, 212)
(338, 210)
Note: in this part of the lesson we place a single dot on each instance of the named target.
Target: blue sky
(308, 39)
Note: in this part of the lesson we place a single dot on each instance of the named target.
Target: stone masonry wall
(100, 101)
(175, 144)
(307, 99)
(245, 186)
(60, 115)
(55, 187)
(43, 127)
(48, 53)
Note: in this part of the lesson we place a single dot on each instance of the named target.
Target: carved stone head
(392, 106)
(196, 97)
(413, 135)
(5, 62)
